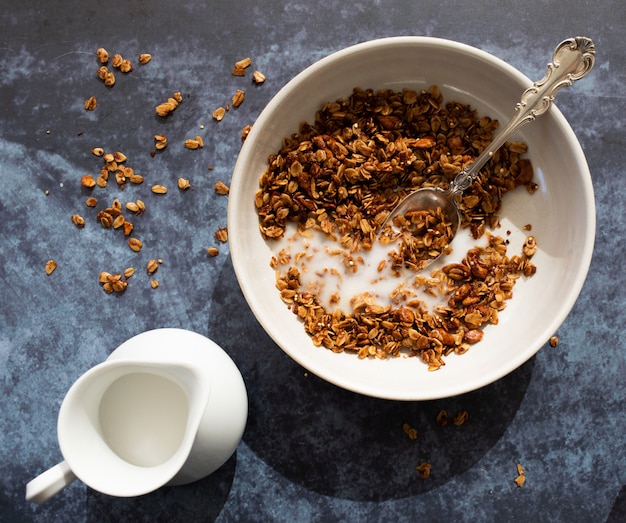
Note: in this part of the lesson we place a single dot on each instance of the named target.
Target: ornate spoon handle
(572, 60)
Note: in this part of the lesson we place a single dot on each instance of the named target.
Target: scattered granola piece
(109, 79)
(129, 272)
(135, 179)
(461, 417)
(219, 113)
(117, 60)
(183, 184)
(442, 418)
(240, 67)
(424, 469)
(194, 143)
(167, 107)
(245, 132)
(118, 222)
(159, 189)
(127, 228)
(242, 64)
(221, 188)
(91, 103)
(212, 251)
(160, 141)
(238, 98)
(87, 181)
(91, 202)
(144, 58)
(152, 267)
(126, 66)
(554, 341)
(112, 282)
(119, 157)
(105, 218)
(409, 431)
(135, 244)
(103, 55)
(78, 220)
(258, 77)
(221, 235)
(154, 284)
(521, 475)
(51, 265)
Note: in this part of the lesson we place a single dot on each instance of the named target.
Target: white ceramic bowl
(562, 213)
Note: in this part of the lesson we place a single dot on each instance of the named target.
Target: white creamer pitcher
(167, 407)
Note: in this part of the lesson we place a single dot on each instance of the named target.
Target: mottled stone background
(311, 452)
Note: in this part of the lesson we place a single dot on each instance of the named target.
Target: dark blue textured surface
(311, 452)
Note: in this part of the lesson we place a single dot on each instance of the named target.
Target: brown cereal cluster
(342, 176)
(476, 290)
(363, 154)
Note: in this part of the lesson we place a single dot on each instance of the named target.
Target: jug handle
(49, 483)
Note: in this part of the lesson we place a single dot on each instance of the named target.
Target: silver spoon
(572, 60)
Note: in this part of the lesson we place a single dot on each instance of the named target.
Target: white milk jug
(167, 407)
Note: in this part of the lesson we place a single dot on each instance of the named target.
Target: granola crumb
(221, 188)
(409, 431)
(258, 77)
(442, 418)
(554, 341)
(424, 469)
(51, 265)
(460, 418)
(219, 113)
(521, 475)
(91, 103)
(221, 235)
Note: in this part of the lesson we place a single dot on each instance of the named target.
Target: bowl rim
(561, 122)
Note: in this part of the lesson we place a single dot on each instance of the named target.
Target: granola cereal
(170, 105)
(221, 188)
(51, 266)
(424, 469)
(340, 177)
(103, 55)
(258, 77)
(91, 103)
